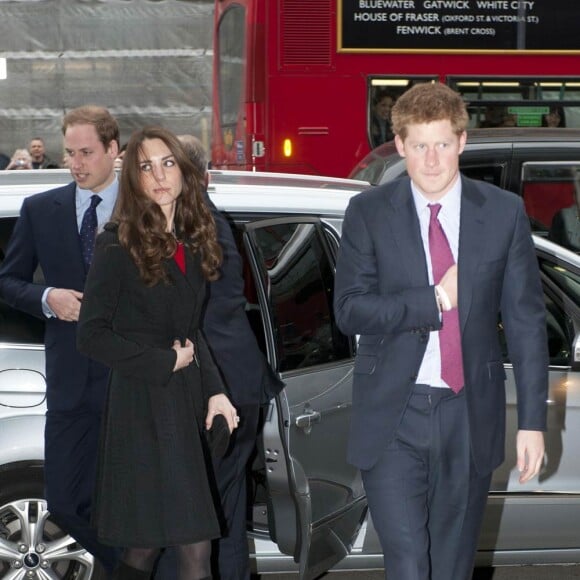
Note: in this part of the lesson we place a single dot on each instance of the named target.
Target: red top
(179, 256)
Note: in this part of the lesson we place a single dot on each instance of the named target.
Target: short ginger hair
(428, 102)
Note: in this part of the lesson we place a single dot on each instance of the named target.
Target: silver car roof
(238, 192)
(232, 191)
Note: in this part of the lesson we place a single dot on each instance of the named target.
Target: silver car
(310, 511)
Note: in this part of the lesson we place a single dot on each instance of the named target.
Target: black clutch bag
(218, 437)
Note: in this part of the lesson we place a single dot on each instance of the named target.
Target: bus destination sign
(458, 25)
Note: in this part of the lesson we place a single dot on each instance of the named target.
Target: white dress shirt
(430, 369)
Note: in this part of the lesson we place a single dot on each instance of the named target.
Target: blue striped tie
(88, 231)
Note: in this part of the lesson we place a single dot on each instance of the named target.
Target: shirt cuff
(443, 299)
(46, 309)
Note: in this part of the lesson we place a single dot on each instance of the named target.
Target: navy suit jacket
(383, 294)
(248, 376)
(46, 234)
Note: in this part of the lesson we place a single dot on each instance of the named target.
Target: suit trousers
(425, 496)
(71, 443)
(71, 440)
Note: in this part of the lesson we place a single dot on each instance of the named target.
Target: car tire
(32, 541)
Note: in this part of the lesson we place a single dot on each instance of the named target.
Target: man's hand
(449, 284)
(65, 303)
(530, 452)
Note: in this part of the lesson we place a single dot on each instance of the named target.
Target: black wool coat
(153, 488)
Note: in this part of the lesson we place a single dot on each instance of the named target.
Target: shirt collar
(108, 195)
(450, 202)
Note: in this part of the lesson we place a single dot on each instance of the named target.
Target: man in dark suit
(250, 381)
(426, 264)
(52, 233)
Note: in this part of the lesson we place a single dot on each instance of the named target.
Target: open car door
(317, 499)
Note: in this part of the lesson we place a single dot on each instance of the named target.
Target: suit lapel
(64, 218)
(404, 223)
(471, 242)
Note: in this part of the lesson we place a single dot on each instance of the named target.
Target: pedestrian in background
(37, 151)
(20, 160)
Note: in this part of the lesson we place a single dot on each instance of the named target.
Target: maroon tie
(449, 335)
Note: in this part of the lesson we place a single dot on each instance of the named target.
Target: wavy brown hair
(142, 224)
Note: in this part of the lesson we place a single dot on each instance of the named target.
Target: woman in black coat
(140, 315)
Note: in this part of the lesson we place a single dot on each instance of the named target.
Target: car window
(564, 279)
(547, 187)
(493, 174)
(371, 172)
(298, 275)
(377, 163)
(563, 299)
(561, 288)
(558, 330)
(385, 165)
(15, 326)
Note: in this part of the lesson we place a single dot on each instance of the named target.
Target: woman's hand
(184, 354)
(221, 405)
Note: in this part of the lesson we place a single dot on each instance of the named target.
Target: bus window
(380, 117)
(529, 102)
(381, 96)
(230, 74)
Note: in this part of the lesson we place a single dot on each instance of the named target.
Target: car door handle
(307, 420)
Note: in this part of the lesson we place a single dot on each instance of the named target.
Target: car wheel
(32, 546)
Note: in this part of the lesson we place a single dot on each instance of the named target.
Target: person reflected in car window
(49, 233)
(381, 132)
(429, 407)
(565, 227)
(140, 316)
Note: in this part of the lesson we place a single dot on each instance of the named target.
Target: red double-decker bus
(299, 85)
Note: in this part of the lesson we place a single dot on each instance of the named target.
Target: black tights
(193, 560)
